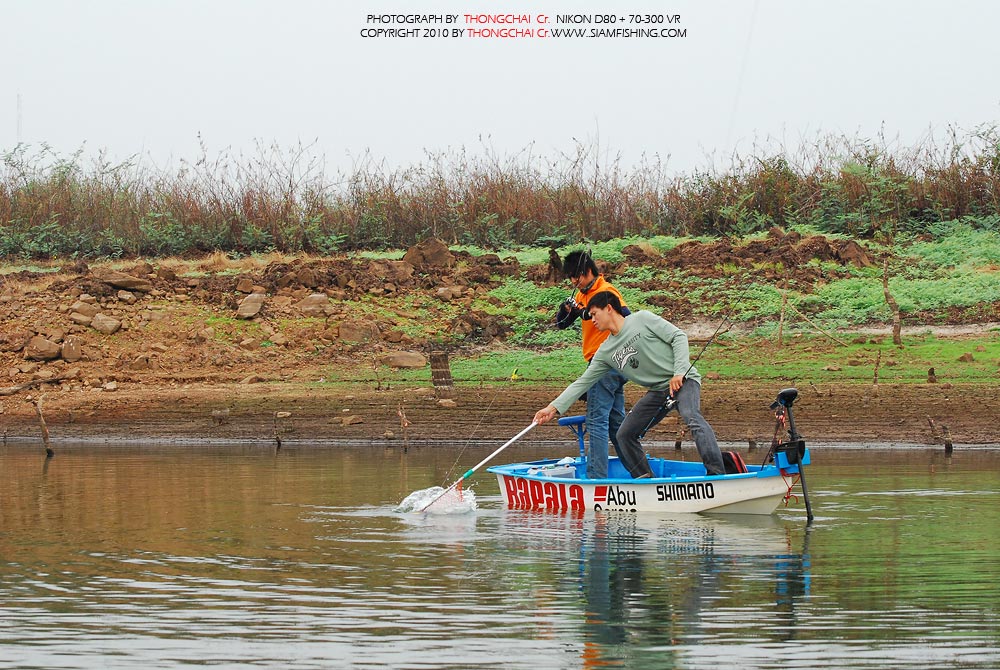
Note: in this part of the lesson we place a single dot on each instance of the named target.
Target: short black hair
(577, 262)
(603, 299)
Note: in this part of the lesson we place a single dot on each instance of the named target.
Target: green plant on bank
(869, 200)
(636, 275)
(316, 237)
(532, 309)
(744, 220)
(857, 301)
(958, 244)
(610, 251)
(804, 359)
(416, 316)
(37, 268)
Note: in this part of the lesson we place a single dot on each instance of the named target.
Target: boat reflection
(648, 582)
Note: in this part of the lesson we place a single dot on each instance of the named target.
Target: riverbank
(320, 350)
(269, 413)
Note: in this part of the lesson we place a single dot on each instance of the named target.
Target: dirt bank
(211, 349)
(259, 412)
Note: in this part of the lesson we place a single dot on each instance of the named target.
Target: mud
(179, 370)
(272, 414)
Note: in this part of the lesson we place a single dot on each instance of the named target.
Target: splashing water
(457, 501)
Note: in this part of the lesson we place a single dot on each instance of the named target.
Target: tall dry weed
(282, 200)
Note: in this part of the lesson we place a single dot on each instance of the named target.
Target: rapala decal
(530, 493)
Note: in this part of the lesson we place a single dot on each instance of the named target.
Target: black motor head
(785, 398)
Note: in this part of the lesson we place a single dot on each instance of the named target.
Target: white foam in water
(454, 502)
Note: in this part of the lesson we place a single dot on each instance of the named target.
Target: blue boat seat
(578, 424)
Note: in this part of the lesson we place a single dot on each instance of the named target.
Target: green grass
(814, 358)
(227, 329)
(607, 250)
(803, 359)
(558, 366)
(12, 269)
(961, 246)
(532, 310)
(856, 301)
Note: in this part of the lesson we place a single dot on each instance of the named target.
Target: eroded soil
(262, 412)
(181, 367)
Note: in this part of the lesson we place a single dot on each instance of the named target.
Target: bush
(283, 200)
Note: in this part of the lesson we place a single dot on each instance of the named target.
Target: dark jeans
(605, 413)
(648, 412)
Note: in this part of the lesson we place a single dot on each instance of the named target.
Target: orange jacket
(592, 338)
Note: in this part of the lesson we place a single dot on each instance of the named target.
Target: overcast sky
(146, 77)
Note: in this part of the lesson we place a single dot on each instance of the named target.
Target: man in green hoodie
(652, 352)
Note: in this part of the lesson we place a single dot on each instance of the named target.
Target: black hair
(577, 263)
(603, 299)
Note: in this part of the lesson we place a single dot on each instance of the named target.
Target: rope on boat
(788, 494)
(779, 426)
(790, 479)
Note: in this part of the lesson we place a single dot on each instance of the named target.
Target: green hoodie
(648, 350)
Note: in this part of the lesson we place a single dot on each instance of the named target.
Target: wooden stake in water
(45, 429)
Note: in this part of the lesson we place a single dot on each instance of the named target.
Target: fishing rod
(671, 401)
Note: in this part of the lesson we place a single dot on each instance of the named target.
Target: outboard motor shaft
(794, 449)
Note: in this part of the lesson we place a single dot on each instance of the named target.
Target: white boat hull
(553, 485)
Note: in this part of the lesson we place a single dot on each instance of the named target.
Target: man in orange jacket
(606, 398)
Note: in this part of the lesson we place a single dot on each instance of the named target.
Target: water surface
(234, 557)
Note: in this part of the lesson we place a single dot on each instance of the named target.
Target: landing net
(457, 501)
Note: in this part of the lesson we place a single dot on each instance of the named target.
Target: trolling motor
(791, 452)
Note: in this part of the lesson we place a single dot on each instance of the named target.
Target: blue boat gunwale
(521, 469)
(780, 464)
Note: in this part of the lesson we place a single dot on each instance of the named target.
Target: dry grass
(649, 249)
(28, 284)
(277, 200)
(216, 262)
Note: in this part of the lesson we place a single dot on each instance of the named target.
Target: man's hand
(568, 312)
(676, 382)
(545, 415)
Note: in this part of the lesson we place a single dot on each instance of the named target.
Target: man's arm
(593, 372)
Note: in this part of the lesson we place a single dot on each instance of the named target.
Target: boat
(560, 484)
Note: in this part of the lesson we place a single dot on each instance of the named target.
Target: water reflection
(648, 581)
(235, 557)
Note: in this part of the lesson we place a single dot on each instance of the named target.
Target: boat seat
(577, 424)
